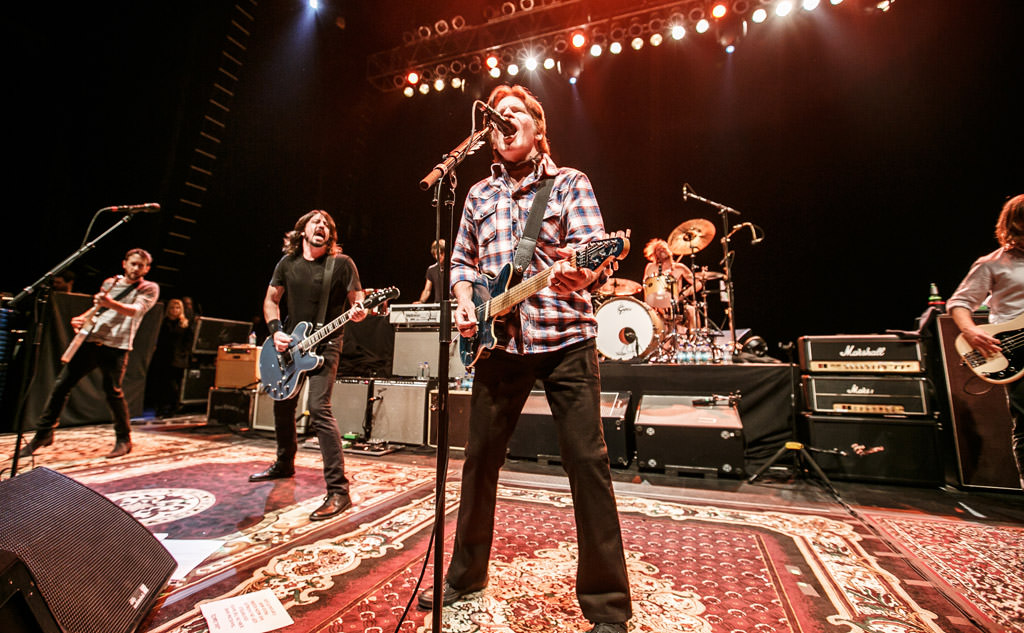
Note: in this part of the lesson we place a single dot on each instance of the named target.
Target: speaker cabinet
(22, 608)
(458, 419)
(98, 569)
(535, 436)
(237, 366)
(673, 434)
(249, 408)
(877, 449)
(415, 347)
(349, 401)
(980, 414)
(196, 384)
(398, 412)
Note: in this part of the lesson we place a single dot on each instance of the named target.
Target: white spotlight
(637, 43)
(424, 88)
(456, 82)
(596, 50)
(759, 16)
(513, 69)
(531, 63)
(439, 84)
(549, 63)
(678, 32)
(703, 25)
(811, 5)
(615, 48)
(408, 91)
(495, 72)
(783, 8)
(656, 39)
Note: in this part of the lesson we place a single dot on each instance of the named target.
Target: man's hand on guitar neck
(567, 279)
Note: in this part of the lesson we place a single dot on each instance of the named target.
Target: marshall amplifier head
(860, 354)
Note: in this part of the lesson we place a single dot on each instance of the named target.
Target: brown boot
(39, 440)
(121, 448)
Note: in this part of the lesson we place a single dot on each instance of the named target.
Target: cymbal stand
(728, 254)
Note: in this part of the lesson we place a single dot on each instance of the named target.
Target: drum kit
(670, 324)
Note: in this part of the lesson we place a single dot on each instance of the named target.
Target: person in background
(170, 359)
(432, 286)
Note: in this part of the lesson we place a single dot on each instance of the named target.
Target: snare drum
(660, 291)
(627, 329)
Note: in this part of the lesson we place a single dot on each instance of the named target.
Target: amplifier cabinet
(672, 433)
(350, 399)
(876, 449)
(458, 418)
(249, 408)
(237, 366)
(535, 436)
(868, 395)
(399, 411)
(414, 347)
(860, 354)
(196, 384)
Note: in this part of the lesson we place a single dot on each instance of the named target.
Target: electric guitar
(281, 373)
(1002, 368)
(91, 316)
(494, 299)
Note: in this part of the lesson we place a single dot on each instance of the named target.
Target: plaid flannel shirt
(492, 224)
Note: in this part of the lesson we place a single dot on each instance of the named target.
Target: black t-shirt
(302, 281)
(434, 277)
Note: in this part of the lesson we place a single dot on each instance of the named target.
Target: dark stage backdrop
(874, 151)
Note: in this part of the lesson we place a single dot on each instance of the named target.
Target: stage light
(439, 84)
(656, 39)
(408, 91)
(835, 2)
(491, 61)
(513, 69)
(810, 5)
(730, 49)
(719, 10)
(458, 22)
(531, 63)
(572, 80)
(783, 8)
(596, 50)
(314, 4)
(457, 82)
(615, 48)
(424, 89)
(457, 67)
(560, 45)
(549, 63)
(637, 43)
(702, 26)
(678, 32)
(413, 77)
(759, 16)
(495, 72)
(579, 40)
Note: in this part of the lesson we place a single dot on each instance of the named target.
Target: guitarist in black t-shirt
(299, 278)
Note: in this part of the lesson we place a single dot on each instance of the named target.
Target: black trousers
(111, 363)
(321, 420)
(501, 385)
(1016, 394)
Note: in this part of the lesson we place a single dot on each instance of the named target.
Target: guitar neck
(518, 293)
(314, 339)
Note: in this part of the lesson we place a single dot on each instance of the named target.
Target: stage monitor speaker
(415, 347)
(349, 400)
(399, 411)
(674, 434)
(97, 568)
(458, 419)
(980, 413)
(22, 608)
(535, 436)
(889, 450)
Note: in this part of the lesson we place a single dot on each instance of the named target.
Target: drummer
(663, 278)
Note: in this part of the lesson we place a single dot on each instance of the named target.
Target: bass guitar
(91, 316)
(1004, 367)
(494, 298)
(281, 373)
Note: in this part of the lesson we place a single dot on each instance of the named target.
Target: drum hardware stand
(728, 255)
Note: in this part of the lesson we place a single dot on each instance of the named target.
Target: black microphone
(149, 207)
(498, 120)
(627, 335)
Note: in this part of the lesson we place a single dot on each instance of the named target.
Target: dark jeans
(500, 388)
(1016, 393)
(321, 420)
(111, 362)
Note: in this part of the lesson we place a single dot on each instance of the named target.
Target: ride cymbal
(691, 237)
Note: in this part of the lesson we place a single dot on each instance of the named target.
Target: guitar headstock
(380, 296)
(597, 252)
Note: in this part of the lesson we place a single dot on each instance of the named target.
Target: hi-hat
(708, 275)
(619, 287)
(691, 237)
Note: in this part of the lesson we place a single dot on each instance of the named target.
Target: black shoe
(334, 503)
(450, 595)
(606, 627)
(277, 470)
(40, 439)
(121, 448)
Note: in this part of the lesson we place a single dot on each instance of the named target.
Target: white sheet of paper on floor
(188, 553)
(257, 612)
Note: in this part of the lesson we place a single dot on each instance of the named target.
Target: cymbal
(619, 287)
(691, 237)
(709, 275)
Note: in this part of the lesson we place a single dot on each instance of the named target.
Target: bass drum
(627, 329)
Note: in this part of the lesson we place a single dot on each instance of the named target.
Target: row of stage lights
(496, 63)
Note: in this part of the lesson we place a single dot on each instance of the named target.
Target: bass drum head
(627, 329)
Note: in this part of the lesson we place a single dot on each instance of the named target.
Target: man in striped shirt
(552, 340)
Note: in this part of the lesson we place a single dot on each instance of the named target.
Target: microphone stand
(441, 173)
(40, 289)
(723, 212)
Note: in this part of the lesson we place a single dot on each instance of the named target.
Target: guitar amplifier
(868, 395)
(860, 354)
(237, 366)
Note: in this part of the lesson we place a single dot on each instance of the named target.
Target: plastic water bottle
(252, 337)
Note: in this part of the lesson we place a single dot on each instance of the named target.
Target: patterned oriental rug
(693, 566)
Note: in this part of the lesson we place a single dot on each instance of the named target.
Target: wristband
(274, 325)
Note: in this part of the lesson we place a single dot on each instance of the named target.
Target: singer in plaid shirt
(553, 342)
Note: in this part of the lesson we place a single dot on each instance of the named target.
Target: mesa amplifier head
(868, 395)
(861, 354)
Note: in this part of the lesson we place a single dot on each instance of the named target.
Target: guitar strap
(119, 295)
(528, 242)
(325, 291)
